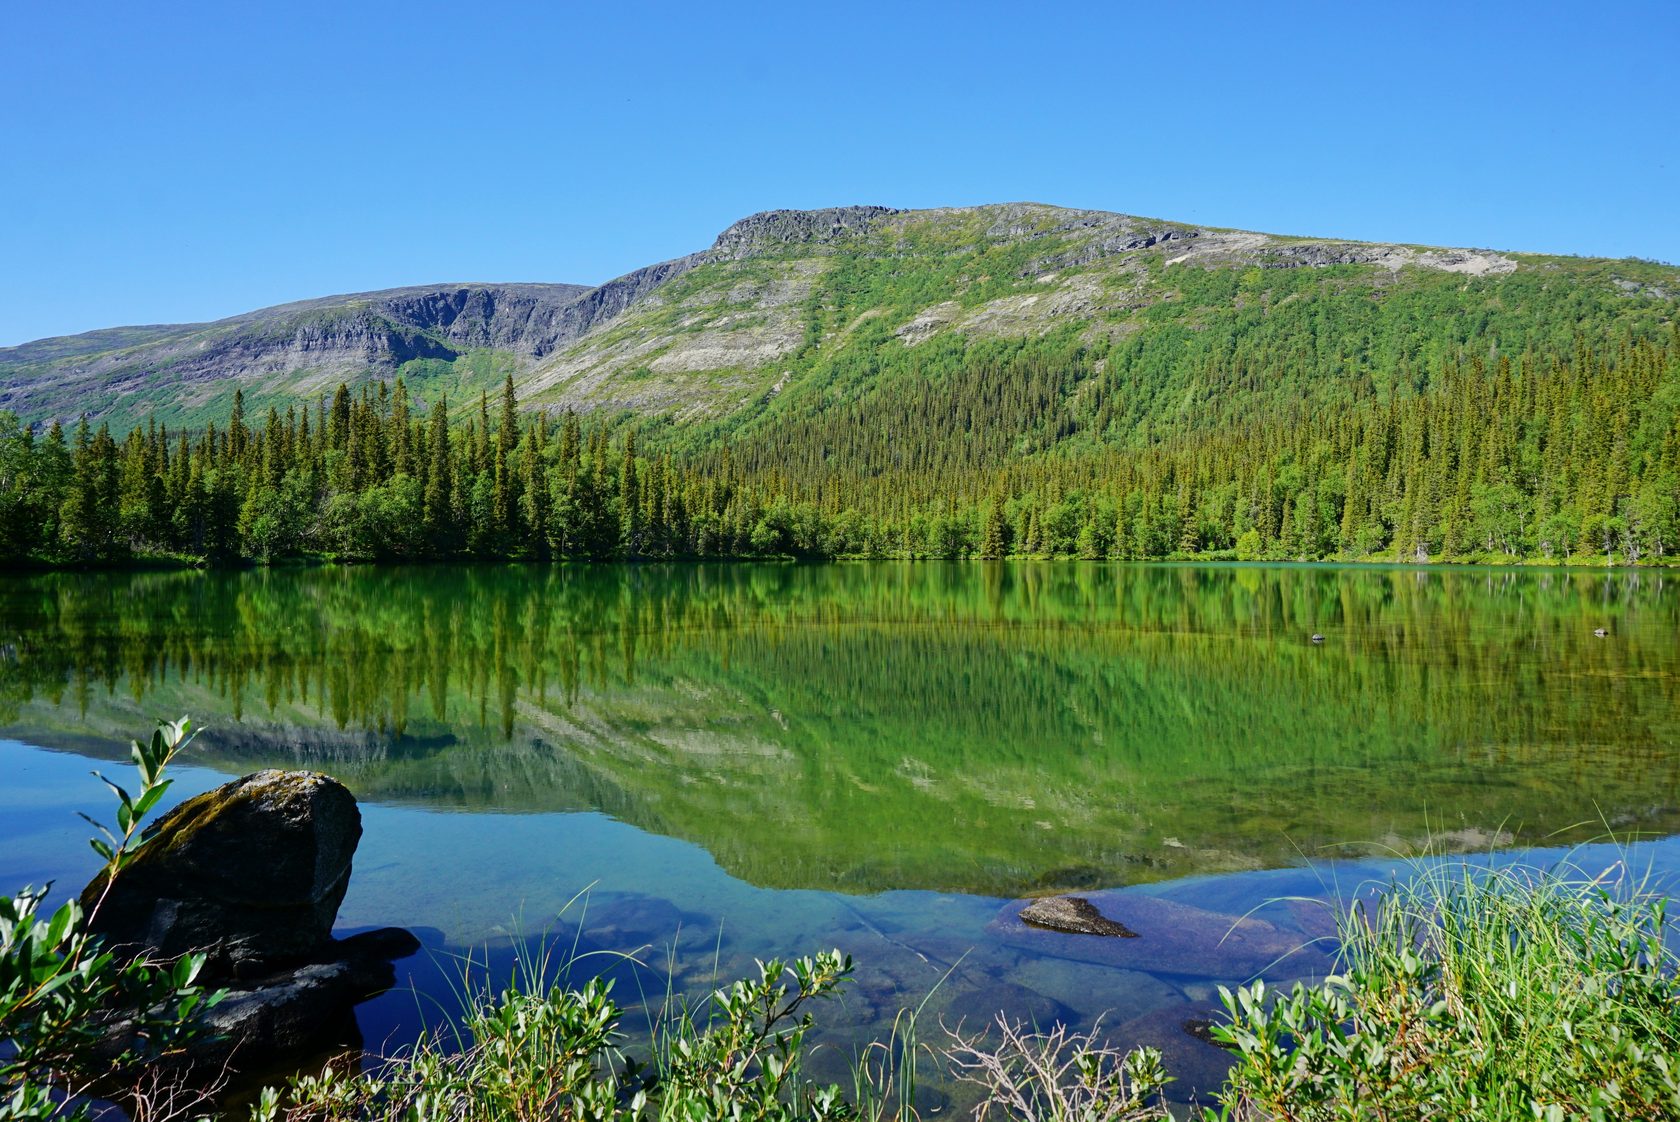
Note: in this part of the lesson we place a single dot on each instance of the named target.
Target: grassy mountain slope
(796, 326)
(809, 340)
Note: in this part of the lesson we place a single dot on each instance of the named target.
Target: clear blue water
(703, 766)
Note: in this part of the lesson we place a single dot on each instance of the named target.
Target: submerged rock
(1092, 991)
(977, 1006)
(251, 874)
(296, 1011)
(628, 921)
(1074, 915)
(1183, 1034)
(1168, 938)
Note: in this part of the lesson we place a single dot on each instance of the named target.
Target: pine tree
(402, 446)
(440, 487)
(629, 501)
(994, 534)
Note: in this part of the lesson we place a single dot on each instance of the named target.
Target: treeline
(365, 477)
(1544, 457)
(1574, 457)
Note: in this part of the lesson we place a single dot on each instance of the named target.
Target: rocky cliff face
(598, 305)
(524, 319)
(779, 229)
(303, 348)
(306, 348)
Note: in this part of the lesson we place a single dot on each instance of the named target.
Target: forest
(1553, 454)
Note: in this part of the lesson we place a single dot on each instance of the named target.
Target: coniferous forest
(1539, 456)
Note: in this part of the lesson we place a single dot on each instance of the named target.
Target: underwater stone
(1074, 915)
(1171, 938)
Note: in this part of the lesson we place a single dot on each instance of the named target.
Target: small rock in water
(1169, 938)
(1317, 638)
(385, 944)
(1074, 915)
(1184, 1036)
(1201, 1028)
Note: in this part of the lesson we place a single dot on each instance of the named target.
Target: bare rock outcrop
(777, 228)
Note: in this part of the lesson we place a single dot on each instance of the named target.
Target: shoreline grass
(1502, 993)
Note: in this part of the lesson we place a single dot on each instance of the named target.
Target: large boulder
(251, 874)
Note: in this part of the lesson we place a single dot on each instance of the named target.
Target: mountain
(301, 349)
(782, 282)
(861, 381)
(792, 314)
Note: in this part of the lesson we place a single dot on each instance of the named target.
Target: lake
(704, 764)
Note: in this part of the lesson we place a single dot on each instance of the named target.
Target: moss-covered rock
(251, 874)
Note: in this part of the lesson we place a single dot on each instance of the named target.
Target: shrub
(1058, 1076)
(74, 1019)
(1499, 994)
(556, 1055)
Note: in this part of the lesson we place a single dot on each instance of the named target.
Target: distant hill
(793, 315)
(299, 350)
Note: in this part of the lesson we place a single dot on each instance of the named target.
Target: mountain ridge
(707, 334)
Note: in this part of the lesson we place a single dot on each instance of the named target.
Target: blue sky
(163, 162)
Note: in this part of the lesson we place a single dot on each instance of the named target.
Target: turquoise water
(698, 766)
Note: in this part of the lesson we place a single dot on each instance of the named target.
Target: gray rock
(598, 305)
(382, 944)
(1181, 1033)
(292, 1012)
(773, 229)
(1093, 991)
(1171, 938)
(977, 1006)
(1074, 915)
(251, 874)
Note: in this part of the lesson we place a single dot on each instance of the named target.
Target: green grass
(538, 1051)
(1500, 995)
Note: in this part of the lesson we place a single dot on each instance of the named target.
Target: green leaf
(149, 798)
